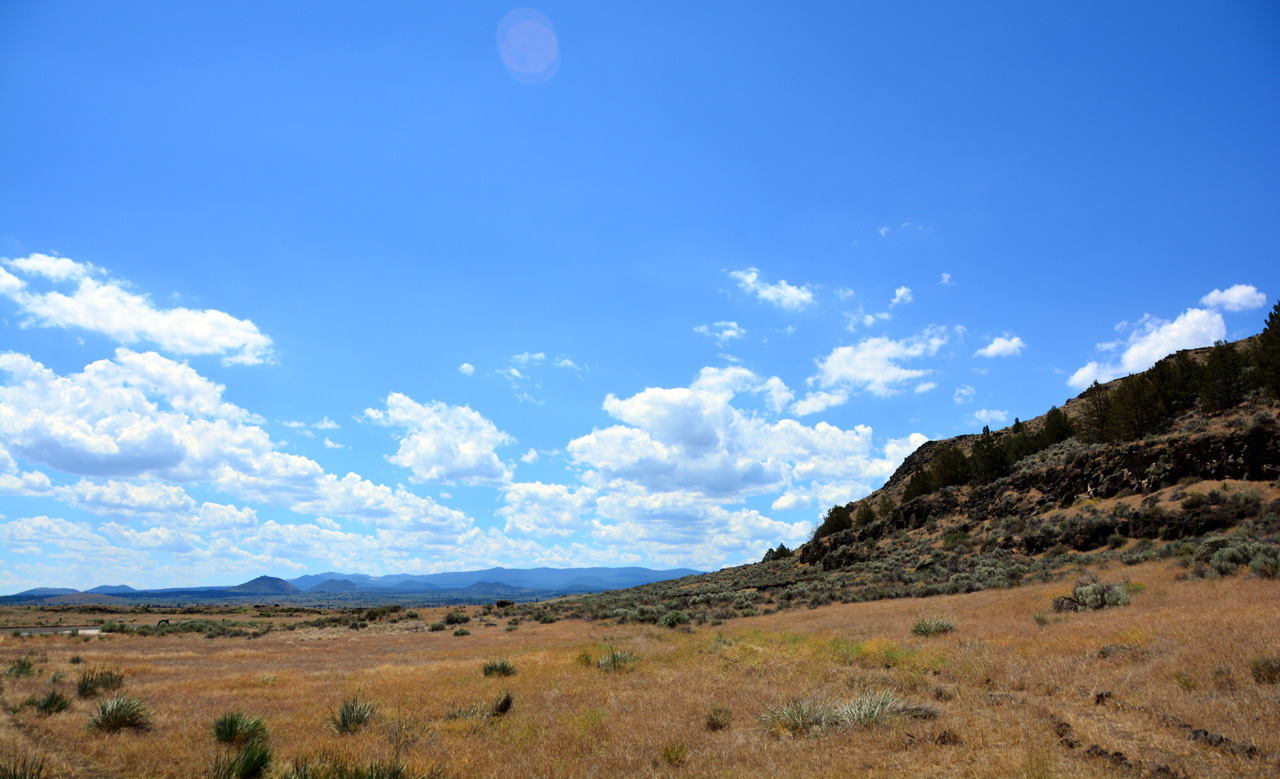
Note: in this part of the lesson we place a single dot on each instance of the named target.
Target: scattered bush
(674, 618)
(76, 660)
(436, 627)
(1265, 670)
(237, 729)
(120, 712)
(499, 668)
(1089, 594)
(719, 718)
(352, 715)
(52, 702)
(92, 681)
(456, 618)
(462, 632)
(932, 626)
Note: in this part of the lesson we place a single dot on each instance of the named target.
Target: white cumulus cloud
(874, 364)
(466, 369)
(781, 294)
(104, 305)
(1151, 339)
(444, 443)
(987, 416)
(1002, 347)
(1240, 297)
(901, 295)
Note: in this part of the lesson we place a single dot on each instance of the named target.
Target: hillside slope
(1180, 463)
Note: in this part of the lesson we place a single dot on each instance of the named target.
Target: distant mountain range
(512, 583)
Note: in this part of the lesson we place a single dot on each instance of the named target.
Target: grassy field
(994, 696)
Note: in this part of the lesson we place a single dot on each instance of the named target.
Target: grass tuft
(52, 702)
(484, 711)
(616, 660)
(21, 668)
(719, 718)
(812, 716)
(24, 768)
(1265, 670)
(252, 761)
(675, 754)
(352, 715)
(94, 680)
(237, 729)
(499, 668)
(932, 626)
(119, 713)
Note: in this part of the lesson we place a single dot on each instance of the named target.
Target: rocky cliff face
(1241, 446)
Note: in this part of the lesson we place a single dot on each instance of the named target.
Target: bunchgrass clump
(21, 668)
(92, 681)
(932, 626)
(800, 716)
(1265, 670)
(616, 660)
(499, 668)
(331, 767)
(251, 761)
(811, 716)
(52, 702)
(719, 718)
(352, 715)
(238, 729)
(22, 768)
(675, 754)
(483, 711)
(76, 660)
(119, 713)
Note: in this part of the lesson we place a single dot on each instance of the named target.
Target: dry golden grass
(999, 681)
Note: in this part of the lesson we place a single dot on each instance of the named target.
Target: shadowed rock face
(1140, 467)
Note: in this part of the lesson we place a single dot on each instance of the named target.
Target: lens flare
(528, 46)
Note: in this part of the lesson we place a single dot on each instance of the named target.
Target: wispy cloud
(721, 331)
(781, 294)
(466, 369)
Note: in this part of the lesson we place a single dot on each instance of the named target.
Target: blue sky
(422, 287)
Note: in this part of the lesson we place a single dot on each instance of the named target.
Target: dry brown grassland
(999, 683)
